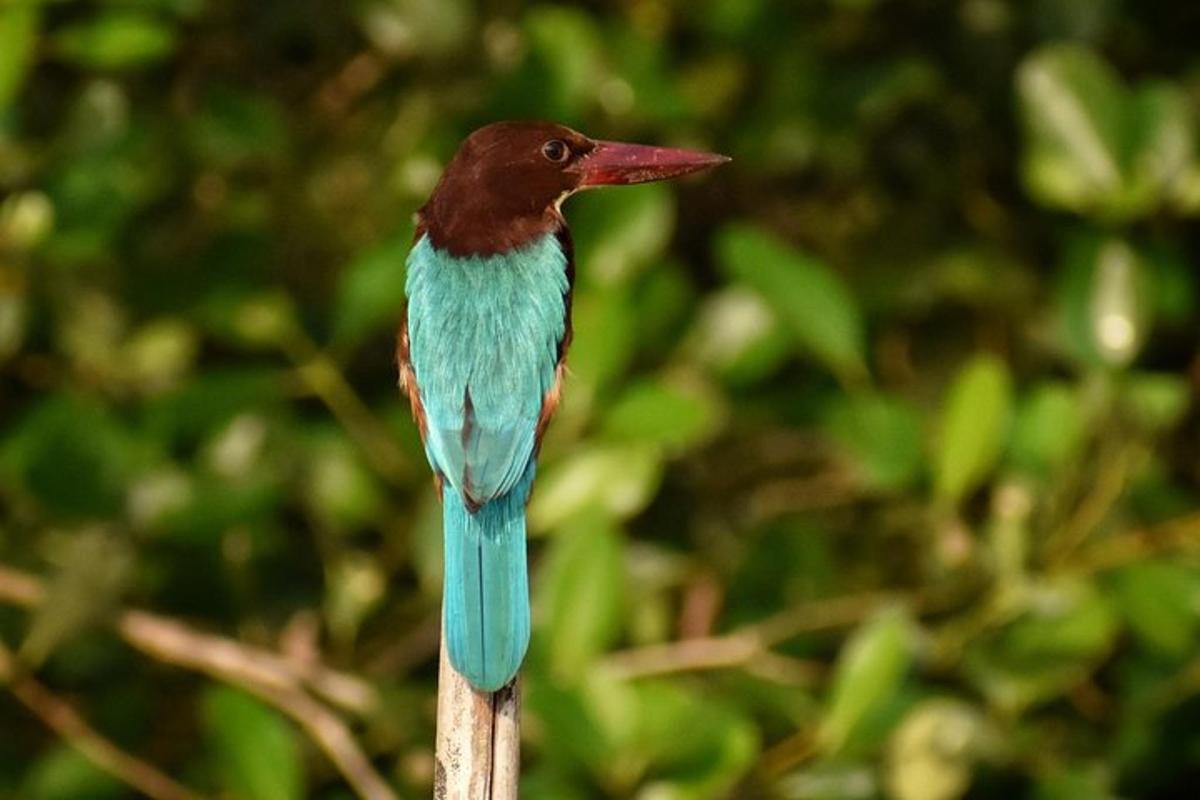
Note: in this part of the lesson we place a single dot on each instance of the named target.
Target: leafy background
(877, 474)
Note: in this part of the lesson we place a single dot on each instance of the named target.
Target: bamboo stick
(478, 738)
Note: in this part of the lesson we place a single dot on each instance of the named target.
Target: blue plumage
(483, 340)
(480, 355)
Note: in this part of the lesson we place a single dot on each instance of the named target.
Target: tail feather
(486, 587)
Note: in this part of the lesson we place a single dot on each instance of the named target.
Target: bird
(481, 352)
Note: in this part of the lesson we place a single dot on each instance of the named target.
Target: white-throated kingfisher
(481, 354)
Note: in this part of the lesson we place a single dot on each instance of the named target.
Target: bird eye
(556, 150)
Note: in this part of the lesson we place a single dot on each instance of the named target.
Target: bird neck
(485, 223)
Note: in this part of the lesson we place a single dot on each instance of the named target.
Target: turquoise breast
(484, 333)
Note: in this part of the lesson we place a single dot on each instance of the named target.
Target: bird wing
(483, 383)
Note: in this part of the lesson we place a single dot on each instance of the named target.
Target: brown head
(505, 184)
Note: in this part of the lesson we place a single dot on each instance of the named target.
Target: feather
(480, 356)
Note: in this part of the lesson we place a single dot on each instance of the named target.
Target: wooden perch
(478, 738)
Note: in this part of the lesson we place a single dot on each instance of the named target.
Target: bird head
(507, 181)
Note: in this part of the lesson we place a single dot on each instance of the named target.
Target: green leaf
(1049, 427)
(1097, 148)
(370, 294)
(1157, 401)
(1106, 298)
(18, 41)
(738, 335)
(567, 45)
(618, 233)
(116, 40)
(340, 490)
(811, 300)
(1159, 601)
(869, 672)
(198, 408)
(405, 29)
(63, 773)
(1162, 146)
(882, 434)
(583, 593)
(674, 414)
(604, 339)
(73, 456)
(694, 745)
(1074, 106)
(1065, 631)
(255, 749)
(573, 735)
(234, 127)
(95, 569)
(620, 478)
(973, 426)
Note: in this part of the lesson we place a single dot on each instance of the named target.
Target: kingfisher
(481, 352)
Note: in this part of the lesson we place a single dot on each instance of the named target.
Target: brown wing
(550, 401)
(407, 378)
(408, 381)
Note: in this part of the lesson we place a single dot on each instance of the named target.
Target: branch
(171, 641)
(752, 643)
(478, 755)
(277, 680)
(58, 715)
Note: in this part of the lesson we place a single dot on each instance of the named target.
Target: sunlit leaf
(18, 39)
(620, 478)
(973, 427)
(870, 668)
(116, 40)
(738, 335)
(407, 28)
(1073, 106)
(931, 753)
(1049, 427)
(1162, 144)
(674, 414)
(582, 593)
(1096, 147)
(810, 298)
(1105, 296)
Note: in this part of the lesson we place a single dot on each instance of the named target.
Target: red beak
(611, 163)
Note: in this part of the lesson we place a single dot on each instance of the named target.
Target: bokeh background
(878, 474)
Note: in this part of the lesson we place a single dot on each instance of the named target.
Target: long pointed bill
(612, 163)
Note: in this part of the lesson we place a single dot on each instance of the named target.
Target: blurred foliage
(898, 411)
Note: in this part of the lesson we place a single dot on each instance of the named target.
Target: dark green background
(898, 409)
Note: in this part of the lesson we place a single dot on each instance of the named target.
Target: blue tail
(485, 606)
